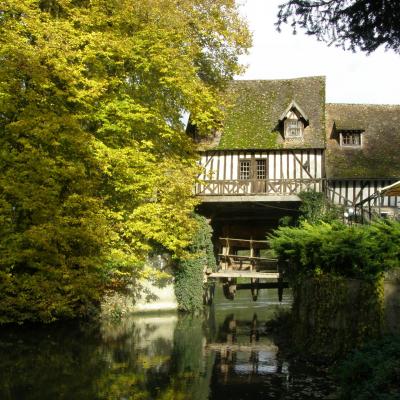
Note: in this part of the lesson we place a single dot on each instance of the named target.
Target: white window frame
(245, 170)
(293, 128)
(253, 169)
(261, 169)
(351, 145)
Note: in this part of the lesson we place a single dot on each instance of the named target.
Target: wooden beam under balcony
(244, 274)
(247, 198)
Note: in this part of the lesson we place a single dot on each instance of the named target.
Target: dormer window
(293, 128)
(294, 120)
(350, 138)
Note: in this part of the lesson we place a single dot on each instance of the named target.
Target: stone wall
(145, 296)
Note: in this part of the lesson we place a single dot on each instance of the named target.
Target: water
(224, 354)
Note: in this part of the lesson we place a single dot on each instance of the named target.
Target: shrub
(331, 313)
(372, 372)
(358, 251)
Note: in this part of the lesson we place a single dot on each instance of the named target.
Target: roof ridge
(363, 104)
(284, 79)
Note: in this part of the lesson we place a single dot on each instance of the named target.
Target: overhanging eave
(248, 198)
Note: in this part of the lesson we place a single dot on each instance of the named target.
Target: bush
(372, 372)
(189, 284)
(332, 313)
(48, 297)
(358, 251)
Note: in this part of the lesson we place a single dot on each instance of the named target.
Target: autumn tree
(352, 24)
(96, 168)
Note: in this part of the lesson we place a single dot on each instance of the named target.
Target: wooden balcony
(251, 259)
(270, 187)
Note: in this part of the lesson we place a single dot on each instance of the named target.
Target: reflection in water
(224, 354)
(253, 358)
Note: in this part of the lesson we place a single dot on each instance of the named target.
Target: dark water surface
(226, 354)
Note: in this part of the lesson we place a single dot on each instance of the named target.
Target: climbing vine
(190, 270)
(332, 315)
(316, 207)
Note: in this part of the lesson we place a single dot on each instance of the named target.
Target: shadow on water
(224, 354)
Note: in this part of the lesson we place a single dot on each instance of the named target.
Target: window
(244, 172)
(250, 169)
(384, 214)
(351, 139)
(261, 169)
(293, 121)
(293, 128)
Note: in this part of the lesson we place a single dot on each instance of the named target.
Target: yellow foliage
(96, 165)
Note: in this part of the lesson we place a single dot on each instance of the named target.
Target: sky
(350, 77)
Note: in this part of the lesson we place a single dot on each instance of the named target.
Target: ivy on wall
(316, 207)
(189, 274)
(331, 315)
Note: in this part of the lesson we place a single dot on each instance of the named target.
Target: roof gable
(293, 106)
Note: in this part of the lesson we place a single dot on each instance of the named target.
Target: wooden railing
(229, 257)
(252, 187)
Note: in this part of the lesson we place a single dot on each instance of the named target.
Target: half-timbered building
(279, 138)
(362, 154)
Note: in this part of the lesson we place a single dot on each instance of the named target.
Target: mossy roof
(379, 156)
(252, 118)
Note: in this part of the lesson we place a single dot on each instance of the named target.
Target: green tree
(352, 24)
(95, 164)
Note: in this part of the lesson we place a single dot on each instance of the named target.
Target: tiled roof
(252, 120)
(379, 156)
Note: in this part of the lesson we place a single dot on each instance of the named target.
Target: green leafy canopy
(96, 166)
(351, 24)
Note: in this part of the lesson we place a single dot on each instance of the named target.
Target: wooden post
(227, 253)
(282, 268)
(251, 253)
(369, 210)
(280, 289)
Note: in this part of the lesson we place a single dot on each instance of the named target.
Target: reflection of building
(279, 138)
(242, 355)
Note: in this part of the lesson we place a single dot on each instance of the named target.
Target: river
(225, 354)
